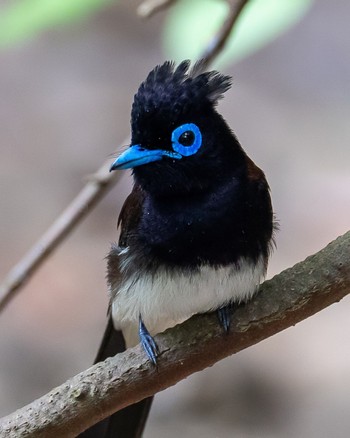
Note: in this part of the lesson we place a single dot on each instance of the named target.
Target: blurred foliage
(191, 25)
(24, 19)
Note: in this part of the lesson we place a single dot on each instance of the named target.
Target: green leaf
(24, 19)
(191, 24)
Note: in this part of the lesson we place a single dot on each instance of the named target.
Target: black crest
(178, 89)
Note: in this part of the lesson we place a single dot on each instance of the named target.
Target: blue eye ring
(192, 130)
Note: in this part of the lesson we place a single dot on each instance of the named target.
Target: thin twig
(128, 377)
(150, 7)
(218, 42)
(93, 191)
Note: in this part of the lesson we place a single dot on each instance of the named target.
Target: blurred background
(65, 97)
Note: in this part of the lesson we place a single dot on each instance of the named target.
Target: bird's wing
(128, 220)
(130, 215)
(130, 421)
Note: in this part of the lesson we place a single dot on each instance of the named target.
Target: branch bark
(290, 297)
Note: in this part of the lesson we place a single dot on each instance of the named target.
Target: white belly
(165, 298)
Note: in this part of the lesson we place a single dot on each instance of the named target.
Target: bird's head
(179, 143)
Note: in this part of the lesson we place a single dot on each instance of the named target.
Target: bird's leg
(224, 315)
(147, 342)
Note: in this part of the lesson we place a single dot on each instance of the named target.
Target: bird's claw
(224, 315)
(147, 342)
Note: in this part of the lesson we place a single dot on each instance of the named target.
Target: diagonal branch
(218, 42)
(290, 297)
(94, 190)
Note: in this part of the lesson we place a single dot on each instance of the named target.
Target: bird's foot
(224, 315)
(147, 342)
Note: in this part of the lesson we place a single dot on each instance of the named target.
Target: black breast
(215, 228)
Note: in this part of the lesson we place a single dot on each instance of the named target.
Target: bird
(197, 229)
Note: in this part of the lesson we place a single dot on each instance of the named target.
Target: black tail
(130, 421)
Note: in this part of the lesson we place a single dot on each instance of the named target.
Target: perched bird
(196, 230)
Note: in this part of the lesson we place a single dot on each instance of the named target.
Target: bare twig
(96, 393)
(217, 44)
(150, 7)
(93, 191)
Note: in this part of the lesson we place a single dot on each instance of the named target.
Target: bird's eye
(186, 139)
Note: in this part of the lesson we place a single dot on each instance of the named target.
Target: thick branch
(288, 298)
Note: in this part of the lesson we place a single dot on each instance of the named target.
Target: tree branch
(290, 297)
(99, 183)
(217, 44)
(148, 8)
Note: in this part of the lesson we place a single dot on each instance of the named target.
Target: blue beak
(137, 156)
